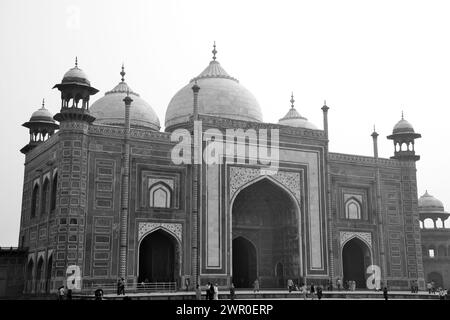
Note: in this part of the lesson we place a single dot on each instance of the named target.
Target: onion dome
(42, 115)
(403, 126)
(110, 109)
(429, 203)
(76, 76)
(294, 119)
(429, 207)
(220, 95)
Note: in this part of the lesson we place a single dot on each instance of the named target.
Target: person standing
(304, 291)
(232, 292)
(99, 294)
(429, 287)
(256, 286)
(338, 284)
(319, 292)
(290, 285)
(313, 291)
(61, 293)
(121, 286)
(198, 293)
(385, 293)
(211, 291)
(216, 292)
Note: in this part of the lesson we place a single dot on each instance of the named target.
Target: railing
(111, 287)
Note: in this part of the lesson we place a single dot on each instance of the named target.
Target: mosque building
(102, 196)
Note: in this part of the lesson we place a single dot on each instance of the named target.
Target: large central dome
(220, 95)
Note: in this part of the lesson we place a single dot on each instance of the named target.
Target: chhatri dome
(110, 109)
(428, 203)
(42, 115)
(403, 126)
(76, 75)
(294, 119)
(220, 95)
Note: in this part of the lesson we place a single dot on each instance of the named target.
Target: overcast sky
(369, 59)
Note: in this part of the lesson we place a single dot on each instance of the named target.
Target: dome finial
(402, 115)
(292, 100)
(43, 103)
(214, 51)
(122, 73)
(76, 62)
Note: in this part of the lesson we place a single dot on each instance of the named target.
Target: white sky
(368, 59)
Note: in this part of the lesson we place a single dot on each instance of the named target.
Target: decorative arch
(160, 195)
(352, 209)
(34, 200)
(45, 195)
(365, 237)
(294, 211)
(54, 191)
(442, 251)
(288, 190)
(356, 256)
(240, 178)
(173, 231)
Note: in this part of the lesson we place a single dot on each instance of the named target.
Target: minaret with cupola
(404, 136)
(41, 125)
(72, 164)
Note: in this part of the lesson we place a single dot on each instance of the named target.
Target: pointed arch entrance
(244, 263)
(265, 217)
(39, 274)
(158, 258)
(29, 276)
(48, 276)
(356, 257)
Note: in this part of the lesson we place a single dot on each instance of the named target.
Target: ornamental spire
(214, 51)
(43, 103)
(122, 73)
(292, 100)
(76, 62)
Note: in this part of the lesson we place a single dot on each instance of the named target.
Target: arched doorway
(39, 272)
(355, 260)
(267, 214)
(244, 263)
(436, 277)
(29, 276)
(158, 258)
(48, 277)
(279, 272)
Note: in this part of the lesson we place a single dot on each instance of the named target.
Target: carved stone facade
(147, 227)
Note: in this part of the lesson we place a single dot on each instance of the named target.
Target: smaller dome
(403, 126)
(294, 119)
(429, 203)
(76, 75)
(110, 109)
(42, 115)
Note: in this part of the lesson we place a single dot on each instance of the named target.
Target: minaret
(325, 117)
(125, 189)
(196, 187)
(41, 127)
(375, 143)
(72, 163)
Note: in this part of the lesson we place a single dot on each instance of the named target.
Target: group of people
(212, 291)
